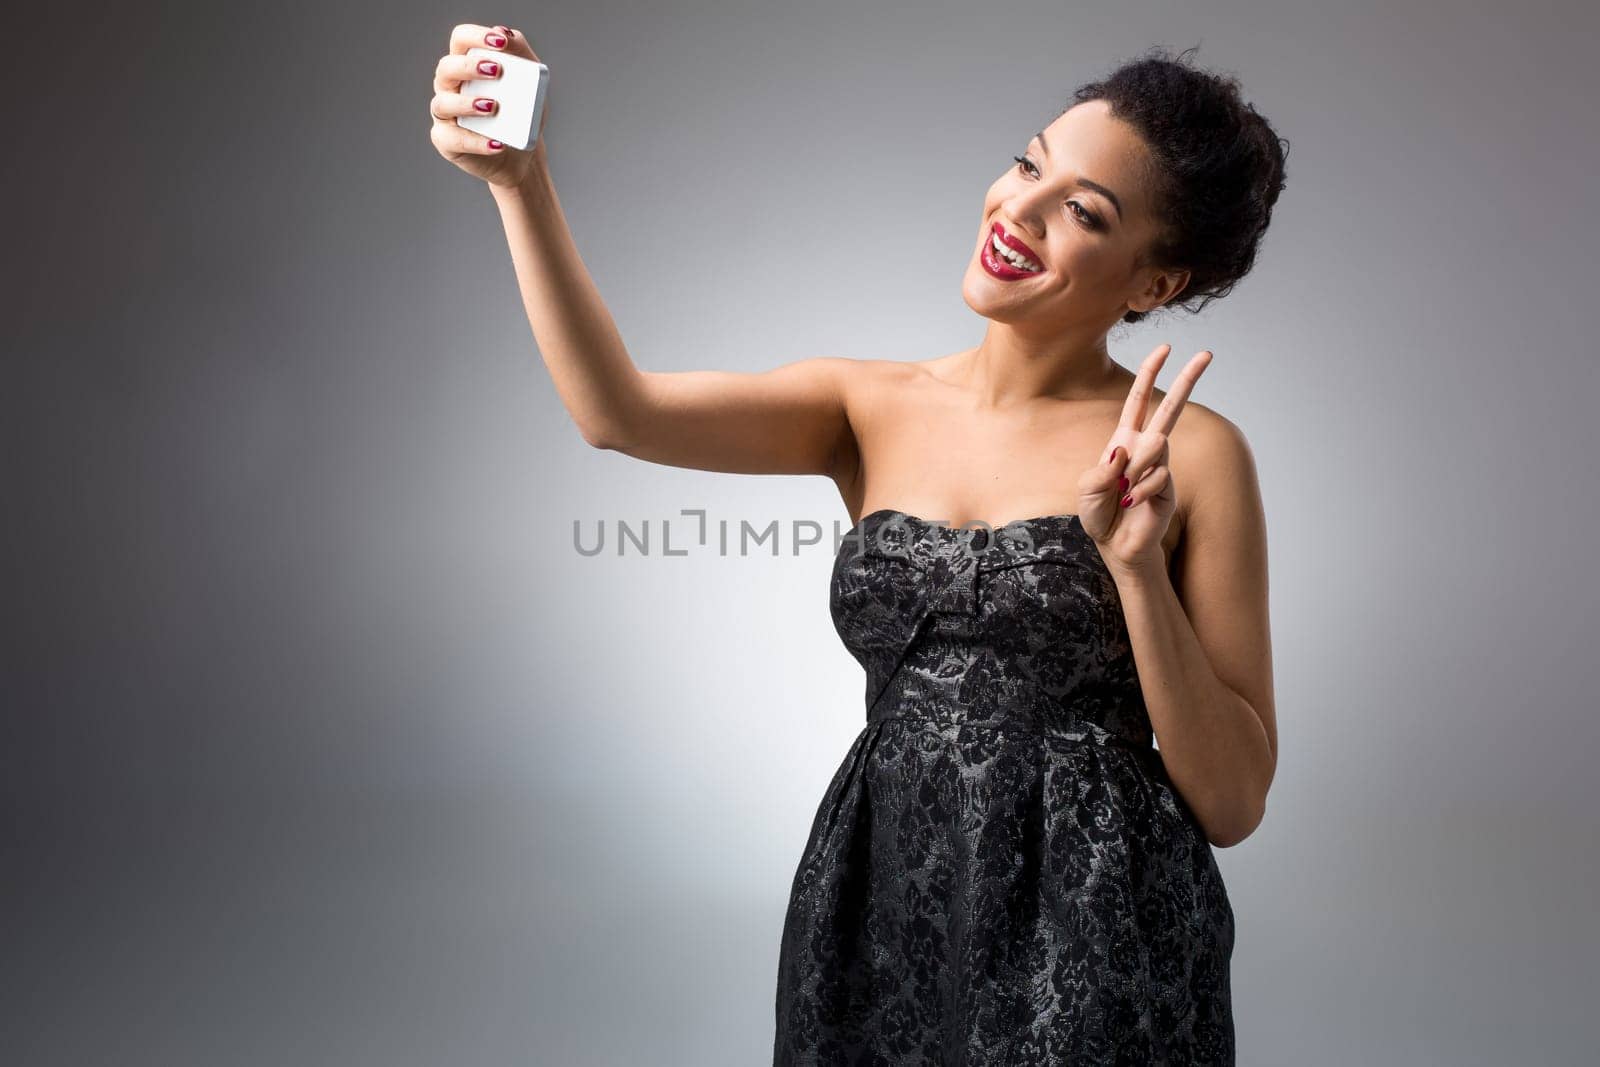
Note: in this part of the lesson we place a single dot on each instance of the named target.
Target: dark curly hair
(1218, 168)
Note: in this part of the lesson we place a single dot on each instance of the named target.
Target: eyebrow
(1085, 182)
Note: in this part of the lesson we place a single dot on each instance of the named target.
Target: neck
(1013, 366)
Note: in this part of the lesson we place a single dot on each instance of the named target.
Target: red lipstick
(1000, 268)
(1016, 246)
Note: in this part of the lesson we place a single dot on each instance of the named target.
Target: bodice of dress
(1019, 627)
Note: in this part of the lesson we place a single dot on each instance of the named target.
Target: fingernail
(495, 40)
(1122, 484)
(1114, 452)
(495, 144)
(483, 103)
(507, 30)
(1127, 501)
(489, 67)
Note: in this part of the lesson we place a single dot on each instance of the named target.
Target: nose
(1022, 215)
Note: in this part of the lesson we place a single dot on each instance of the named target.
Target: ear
(1161, 288)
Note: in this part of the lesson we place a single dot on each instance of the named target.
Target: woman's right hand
(469, 150)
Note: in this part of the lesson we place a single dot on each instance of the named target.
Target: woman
(1004, 870)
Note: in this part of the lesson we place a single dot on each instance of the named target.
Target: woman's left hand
(1134, 467)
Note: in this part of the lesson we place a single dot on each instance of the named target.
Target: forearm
(1213, 743)
(575, 334)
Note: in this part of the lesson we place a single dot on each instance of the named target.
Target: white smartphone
(520, 91)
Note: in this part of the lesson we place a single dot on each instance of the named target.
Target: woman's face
(1079, 201)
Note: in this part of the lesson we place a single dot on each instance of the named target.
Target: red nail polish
(489, 67)
(1122, 484)
(1127, 501)
(1114, 452)
(495, 144)
(494, 40)
(483, 104)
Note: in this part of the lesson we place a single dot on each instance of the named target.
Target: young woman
(1004, 870)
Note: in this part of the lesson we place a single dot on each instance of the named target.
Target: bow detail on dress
(947, 584)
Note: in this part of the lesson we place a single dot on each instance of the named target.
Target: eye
(1084, 216)
(1088, 218)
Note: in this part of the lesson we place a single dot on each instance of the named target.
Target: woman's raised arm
(789, 420)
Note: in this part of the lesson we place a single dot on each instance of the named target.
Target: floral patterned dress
(1000, 873)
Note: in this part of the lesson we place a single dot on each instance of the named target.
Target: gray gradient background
(324, 746)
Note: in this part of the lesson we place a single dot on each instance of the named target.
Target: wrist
(1142, 573)
(533, 181)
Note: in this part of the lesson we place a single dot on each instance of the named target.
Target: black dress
(1001, 872)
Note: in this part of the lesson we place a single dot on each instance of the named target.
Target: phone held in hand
(520, 90)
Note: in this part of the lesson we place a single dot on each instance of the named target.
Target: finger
(471, 35)
(1166, 415)
(453, 70)
(1149, 487)
(1139, 392)
(1108, 475)
(446, 107)
(1148, 452)
(517, 44)
(451, 139)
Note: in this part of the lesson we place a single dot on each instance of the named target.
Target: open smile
(1007, 258)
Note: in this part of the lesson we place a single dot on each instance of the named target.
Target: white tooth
(1011, 256)
(1006, 251)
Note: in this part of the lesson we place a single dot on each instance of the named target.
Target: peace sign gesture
(1133, 467)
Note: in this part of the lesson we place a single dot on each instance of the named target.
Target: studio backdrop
(325, 742)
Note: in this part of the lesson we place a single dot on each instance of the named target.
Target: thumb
(1104, 482)
(1113, 470)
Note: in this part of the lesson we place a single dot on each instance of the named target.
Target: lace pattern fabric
(1000, 871)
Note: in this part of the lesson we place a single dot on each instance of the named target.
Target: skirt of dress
(973, 895)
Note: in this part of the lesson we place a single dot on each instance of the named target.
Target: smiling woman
(1145, 181)
(1005, 868)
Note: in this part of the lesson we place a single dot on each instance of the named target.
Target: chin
(986, 296)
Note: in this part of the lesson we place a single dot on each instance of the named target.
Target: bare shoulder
(1214, 466)
(870, 385)
(1210, 441)
(874, 393)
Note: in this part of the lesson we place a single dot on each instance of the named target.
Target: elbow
(1237, 829)
(1235, 816)
(616, 421)
(611, 430)
(602, 436)
(1226, 840)
(595, 438)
